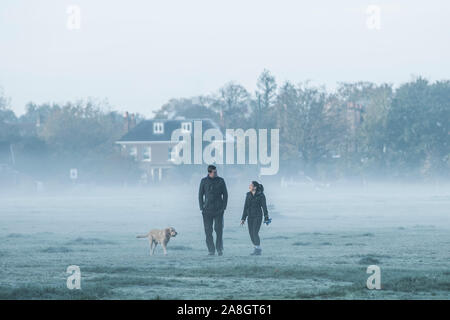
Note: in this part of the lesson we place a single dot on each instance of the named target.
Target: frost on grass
(298, 261)
(56, 250)
(180, 248)
(89, 241)
(301, 243)
(369, 260)
(16, 235)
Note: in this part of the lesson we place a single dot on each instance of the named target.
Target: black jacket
(212, 194)
(255, 206)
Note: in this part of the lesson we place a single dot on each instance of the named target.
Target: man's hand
(242, 222)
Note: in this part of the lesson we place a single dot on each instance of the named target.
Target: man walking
(213, 198)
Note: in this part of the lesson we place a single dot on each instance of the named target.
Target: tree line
(361, 129)
(358, 130)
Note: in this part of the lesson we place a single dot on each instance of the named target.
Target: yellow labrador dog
(156, 236)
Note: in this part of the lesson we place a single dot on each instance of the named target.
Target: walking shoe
(220, 253)
(211, 253)
(256, 252)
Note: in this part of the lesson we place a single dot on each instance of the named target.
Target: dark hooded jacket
(255, 205)
(212, 195)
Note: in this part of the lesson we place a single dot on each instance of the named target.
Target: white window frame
(158, 127)
(133, 152)
(147, 152)
(171, 151)
(186, 126)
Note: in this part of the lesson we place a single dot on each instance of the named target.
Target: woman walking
(254, 209)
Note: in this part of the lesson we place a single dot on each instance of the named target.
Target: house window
(175, 153)
(133, 152)
(158, 127)
(186, 126)
(147, 154)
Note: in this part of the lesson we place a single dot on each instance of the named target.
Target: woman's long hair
(259, 187)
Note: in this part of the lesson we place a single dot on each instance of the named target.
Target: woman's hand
(242, 222)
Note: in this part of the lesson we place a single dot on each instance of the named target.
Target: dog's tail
(143, 236)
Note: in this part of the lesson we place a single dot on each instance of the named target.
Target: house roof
(144, 130)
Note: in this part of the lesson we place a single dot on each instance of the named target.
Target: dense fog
(329, 125)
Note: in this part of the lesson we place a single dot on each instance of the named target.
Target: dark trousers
(215, 219)
(254, 224)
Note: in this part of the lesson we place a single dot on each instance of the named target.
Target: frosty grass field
(318, 246)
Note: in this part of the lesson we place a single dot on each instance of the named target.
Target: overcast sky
(139, 54)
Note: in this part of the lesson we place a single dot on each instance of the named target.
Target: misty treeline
(50, 139)
(359, 130)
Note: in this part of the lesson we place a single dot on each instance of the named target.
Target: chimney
(132, 121)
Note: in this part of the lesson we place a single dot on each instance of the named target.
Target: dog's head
(171, 232)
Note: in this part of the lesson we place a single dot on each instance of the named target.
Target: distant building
(354, 115)
(149, 143)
